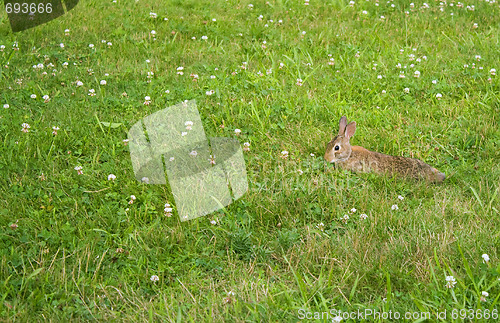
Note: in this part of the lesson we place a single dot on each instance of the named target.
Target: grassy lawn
(421, 80)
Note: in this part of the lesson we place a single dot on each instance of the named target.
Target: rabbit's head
(339, 149)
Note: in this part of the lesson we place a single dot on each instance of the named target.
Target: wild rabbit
(359, 159)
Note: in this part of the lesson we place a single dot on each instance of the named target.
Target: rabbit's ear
(350, 130)
(342, 125)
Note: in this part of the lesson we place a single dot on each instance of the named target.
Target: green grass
(80, 251)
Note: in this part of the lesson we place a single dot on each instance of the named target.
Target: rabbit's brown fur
(359, 159)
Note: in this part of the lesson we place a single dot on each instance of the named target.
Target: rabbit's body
(359, 159)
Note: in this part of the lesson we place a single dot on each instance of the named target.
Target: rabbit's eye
(337, 147)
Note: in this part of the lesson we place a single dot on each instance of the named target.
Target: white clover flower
(237, 131)
(379, 77)
(363, 216)
(284, 154)
(434, 81)
(153, 15)
(395, 207)
(79, 83)
(407, 90)
(450, 281)
(168, 210)
(210, 92)
(353, 210)
(485, 294)
(79, 170)
(439, 96)
(125, 141)
(299, 82)
(365, 12)
(153, 32)
(154, 278)
(416, 74)
(91, 45)
(6, 106)
(55, 128)
(321, 226)
(184, 133)
(204, 37)
(193, 153)
(213, 222)
(246, 146)
(61, 45)
(111, 177)
(493, 71)
(401, 197)
(26, 127)
(91, 92)
(109, 43)
(486, 258)
(103, 82)
(171, 159)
